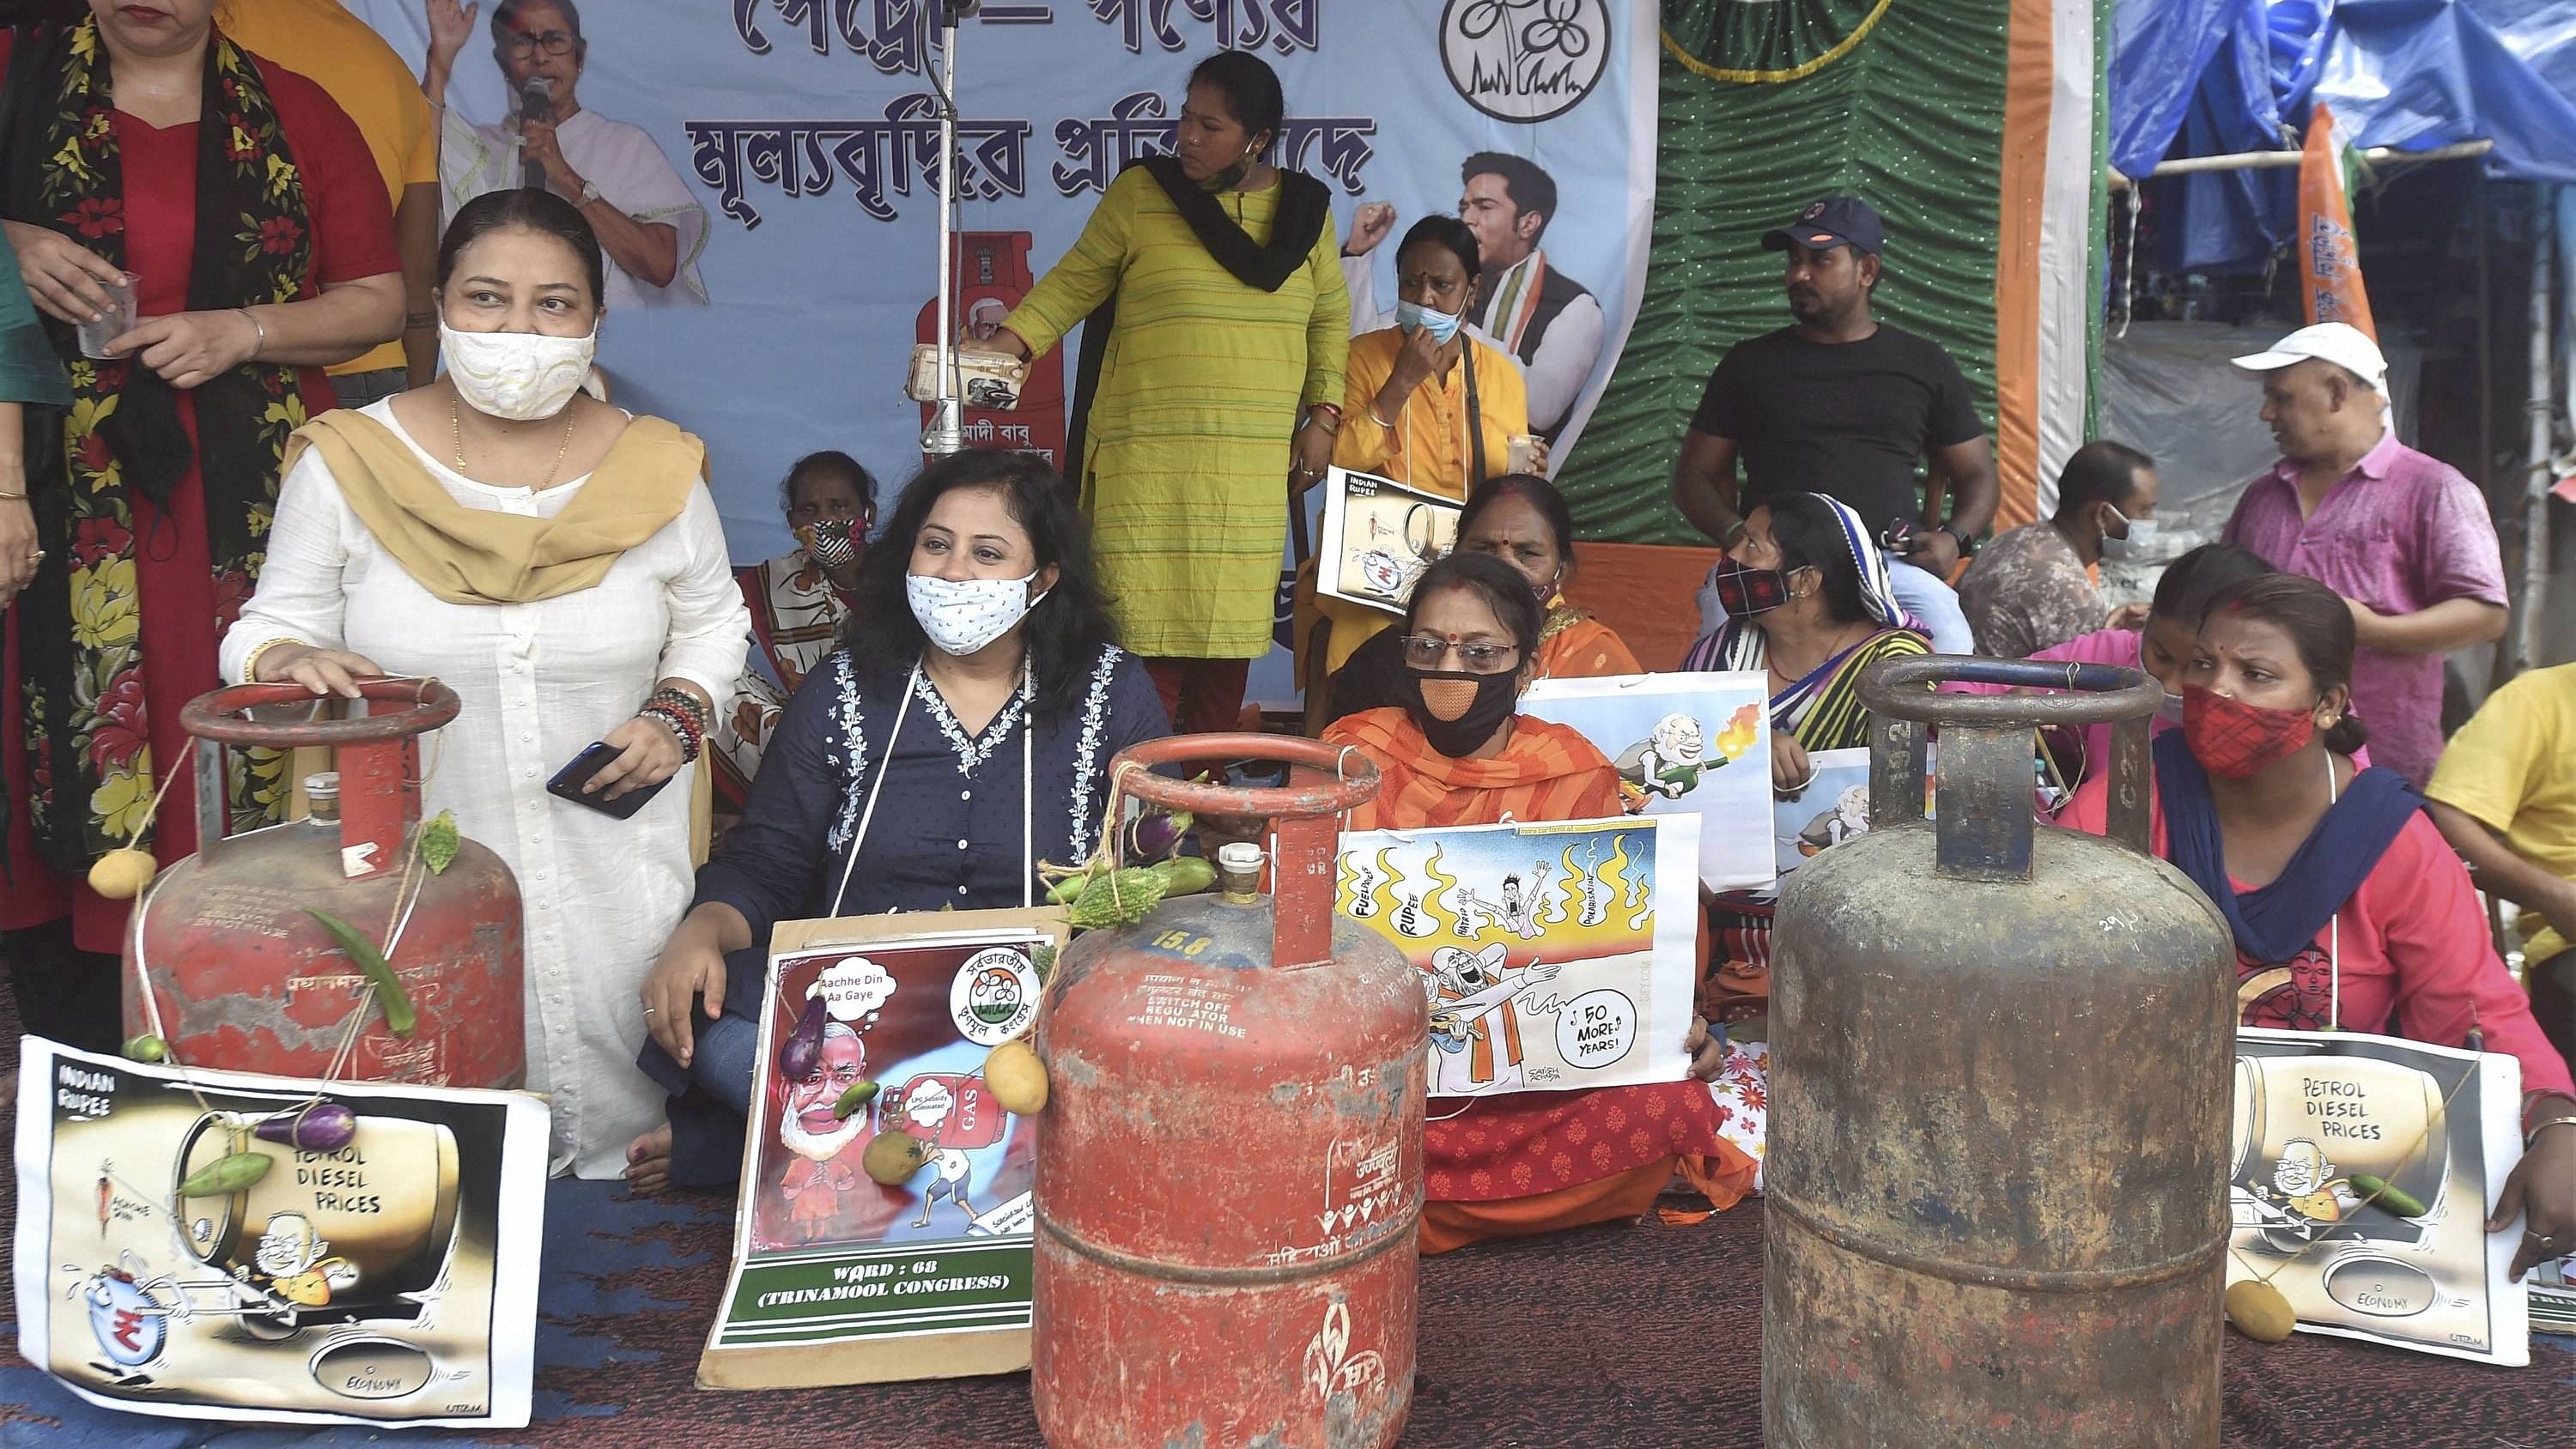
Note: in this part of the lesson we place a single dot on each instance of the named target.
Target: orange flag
(2329, 261)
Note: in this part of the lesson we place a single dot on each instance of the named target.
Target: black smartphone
(1898, 537)
(568, 781)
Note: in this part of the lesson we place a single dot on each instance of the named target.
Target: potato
(1017, 1078)
(2259, 1311)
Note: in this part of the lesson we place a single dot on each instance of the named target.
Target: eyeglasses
(554, 42)
(1425, 651)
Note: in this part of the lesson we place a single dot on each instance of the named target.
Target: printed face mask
(1458, 711)
(834, 542)
(2136, 538)
(521, 376)
(2233, 739)
(1414, 317)
(1744, 592)
(961, 616)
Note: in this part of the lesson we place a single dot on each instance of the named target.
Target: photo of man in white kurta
(649, 223)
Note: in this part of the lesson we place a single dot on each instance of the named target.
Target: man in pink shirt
(2403, 537)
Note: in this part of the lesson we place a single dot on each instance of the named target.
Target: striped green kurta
(1186, 464)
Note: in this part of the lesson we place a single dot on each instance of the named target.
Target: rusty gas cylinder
(1995, 1211)
(241, 978)
(1229, 1170)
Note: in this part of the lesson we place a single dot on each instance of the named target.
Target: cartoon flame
(1741, 729)
(1600, 889)
(1444, 888)
(1363, 886)
(1637, 882)
(1552, 911)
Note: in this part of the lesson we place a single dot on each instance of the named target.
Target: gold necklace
(456, 434)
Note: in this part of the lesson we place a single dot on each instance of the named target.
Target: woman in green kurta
(1212, 286)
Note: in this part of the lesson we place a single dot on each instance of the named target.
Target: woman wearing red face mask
(2348, 909)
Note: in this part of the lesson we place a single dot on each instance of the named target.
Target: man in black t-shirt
(1841, 404)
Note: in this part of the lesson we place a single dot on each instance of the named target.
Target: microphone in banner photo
(536, 103)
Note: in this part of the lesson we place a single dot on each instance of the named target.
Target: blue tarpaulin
(2219, 76)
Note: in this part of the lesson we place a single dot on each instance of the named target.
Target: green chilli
(399, 1013)
(2387, 1194)
(226, 1175)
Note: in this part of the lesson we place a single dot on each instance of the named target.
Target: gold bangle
(250, 666)
(13, 497)
(2533, 1135)
(257, 326)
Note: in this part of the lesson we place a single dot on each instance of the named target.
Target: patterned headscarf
(1742, 644)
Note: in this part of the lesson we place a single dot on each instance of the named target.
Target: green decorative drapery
(1900, 104)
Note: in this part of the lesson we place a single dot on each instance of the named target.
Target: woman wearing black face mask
(1453, 753)
(1807, 599)
(797, 601)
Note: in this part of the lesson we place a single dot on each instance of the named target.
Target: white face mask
(2138, 542)
(521, 376)
(961, 616)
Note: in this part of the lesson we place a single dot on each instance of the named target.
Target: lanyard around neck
(1028, 787)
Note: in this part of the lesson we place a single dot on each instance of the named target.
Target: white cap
(2340, 343)
(1242, 857)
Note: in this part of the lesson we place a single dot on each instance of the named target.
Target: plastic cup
(94, 336)
(1524, 453)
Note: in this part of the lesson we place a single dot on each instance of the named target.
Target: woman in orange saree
(1454, 753)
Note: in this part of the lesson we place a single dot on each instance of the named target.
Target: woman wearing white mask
(561, 566)
(1425, 402)
(961, 734)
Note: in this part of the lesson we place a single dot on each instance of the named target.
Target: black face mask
(1486, 710)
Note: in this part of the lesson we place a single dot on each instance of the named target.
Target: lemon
(1017, 1078)
(2259, 1311)
(121, 875)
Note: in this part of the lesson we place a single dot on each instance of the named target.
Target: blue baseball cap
(1836, 221)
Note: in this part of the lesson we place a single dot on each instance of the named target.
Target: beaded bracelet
(682, 728)
(680, 700)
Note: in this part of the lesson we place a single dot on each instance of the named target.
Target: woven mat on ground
(1633, 1336)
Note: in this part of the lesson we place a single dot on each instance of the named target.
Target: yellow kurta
(1185, 466)
(1426, 449)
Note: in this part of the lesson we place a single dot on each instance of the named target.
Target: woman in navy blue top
(961, 734)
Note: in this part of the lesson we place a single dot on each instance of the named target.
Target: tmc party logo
(1525, 60)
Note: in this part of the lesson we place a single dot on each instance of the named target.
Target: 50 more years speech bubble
(1596, 1029)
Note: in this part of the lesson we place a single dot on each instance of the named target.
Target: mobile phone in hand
(568, 781)
(1898, 537)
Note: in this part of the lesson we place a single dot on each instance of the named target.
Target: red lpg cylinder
(242, 979)
(992, 278)
(1229, 1169)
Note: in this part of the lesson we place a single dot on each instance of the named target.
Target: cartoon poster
(1377, 538)
(1685, 744)
(1556, 957)
(2364, 1170)
(172, 1261)
(1832, 809)
(829, 1264)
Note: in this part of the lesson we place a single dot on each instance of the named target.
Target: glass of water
(94, 336)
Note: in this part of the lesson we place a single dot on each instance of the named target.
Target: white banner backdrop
(806, 131)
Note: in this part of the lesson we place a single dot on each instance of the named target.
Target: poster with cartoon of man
(172, 1259)
(2364, 1168)
(1377, 536)
(1684, 744)
(1554, 957)
(873, 1028)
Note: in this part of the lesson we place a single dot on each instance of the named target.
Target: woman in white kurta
(598, 605)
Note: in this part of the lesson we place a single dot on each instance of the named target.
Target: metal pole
(947, 431)
(2536, 481)
(2264, 160)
